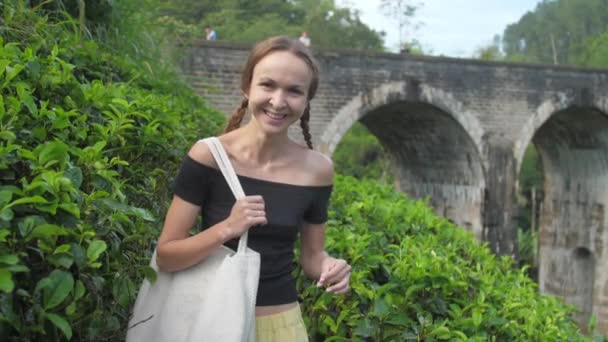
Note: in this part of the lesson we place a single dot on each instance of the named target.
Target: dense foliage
(89, 142)
(573, 32)
(328, 25)
(560, 32)
(417, 277)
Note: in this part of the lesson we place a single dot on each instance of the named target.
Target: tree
(556, 31)
(329, 26)
(490, 52)
(595, 52)
(403, 11)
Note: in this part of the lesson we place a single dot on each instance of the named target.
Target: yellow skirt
(281, 327)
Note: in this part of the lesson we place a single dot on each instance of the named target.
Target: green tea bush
(89, 143)
(417, 277)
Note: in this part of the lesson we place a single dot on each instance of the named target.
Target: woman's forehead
(283, 64)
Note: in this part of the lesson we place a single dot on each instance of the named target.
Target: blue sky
(449, 27)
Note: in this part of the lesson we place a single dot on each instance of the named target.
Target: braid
(304, 124)
(237, 117)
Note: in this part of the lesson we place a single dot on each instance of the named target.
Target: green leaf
(10, 259)
(380, 308)
(65, 248)
(399, 319)
(60, 286)
(6, 281)
(95, 249)
(142, 213)
(6, 214)
(79, 290)
(477, 317)
(70, 310)
(123, 288)
(55, 150)
(2, 109)
(11, 72)
(3, 234)
(8, 136)
(27, 225)
(47, 231)
(364, 329)
(61, 122)
(18, 268)
(60, 323)
(25, 96)
(61, 260)
(441, 333)
(74, 174)
(150, 274)
(28, 200)
(79, 255)
(33, 67)
(70, 208)
(40, 133)
(5, 197)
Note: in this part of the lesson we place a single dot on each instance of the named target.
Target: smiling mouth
(275, 116)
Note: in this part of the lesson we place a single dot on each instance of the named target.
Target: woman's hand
(247, 212)
(335, 275)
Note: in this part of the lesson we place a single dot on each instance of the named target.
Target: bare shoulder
(319, 166)
(200, 152)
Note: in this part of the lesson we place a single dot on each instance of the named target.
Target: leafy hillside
(89, 143)
(417, 277)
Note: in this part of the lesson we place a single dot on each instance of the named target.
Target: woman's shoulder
(200, 153)
(318, 165)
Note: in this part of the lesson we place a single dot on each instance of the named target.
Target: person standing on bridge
(210, 33)
(305, 38)
(279, 80)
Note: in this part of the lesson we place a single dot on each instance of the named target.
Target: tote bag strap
(223, 162)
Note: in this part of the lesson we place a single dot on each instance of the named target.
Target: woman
(288, 188)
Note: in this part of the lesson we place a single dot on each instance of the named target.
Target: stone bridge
(457, 131)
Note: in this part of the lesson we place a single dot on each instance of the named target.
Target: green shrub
(88, 149)
(417, 277)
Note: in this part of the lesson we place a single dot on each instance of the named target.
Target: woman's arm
(177, 250)
(332, 273)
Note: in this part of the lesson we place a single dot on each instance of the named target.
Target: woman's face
(278, 93)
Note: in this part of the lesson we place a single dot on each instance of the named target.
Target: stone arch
(571, 137)
(434, 143)
(386, 93)
(560, 101)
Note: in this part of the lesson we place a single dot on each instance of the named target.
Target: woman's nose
(278, 99)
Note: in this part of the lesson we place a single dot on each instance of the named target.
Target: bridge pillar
(500, 208)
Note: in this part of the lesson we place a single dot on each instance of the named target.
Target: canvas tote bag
(211, 301)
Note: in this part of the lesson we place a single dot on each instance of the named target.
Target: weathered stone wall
(574, 148)
(457, 131)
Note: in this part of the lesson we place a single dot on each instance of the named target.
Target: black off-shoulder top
(287, 206)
